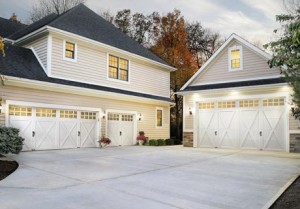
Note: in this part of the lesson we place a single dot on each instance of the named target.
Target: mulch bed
(290, 199)
(7, 167)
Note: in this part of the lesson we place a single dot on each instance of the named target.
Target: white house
(69, 79)
(236, 101)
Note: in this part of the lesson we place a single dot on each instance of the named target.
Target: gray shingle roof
(8, 27)
(82, 21)
(21, 62)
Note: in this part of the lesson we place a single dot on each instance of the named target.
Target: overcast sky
(251, 19)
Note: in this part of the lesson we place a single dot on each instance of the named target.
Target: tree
(202, 42)
(286, 53)
(46, 7)
(2, 46)
(172, 46)
(123, 21)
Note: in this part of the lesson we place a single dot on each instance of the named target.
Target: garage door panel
(228, 123)
(45, 134)
(68, 134)
(88, 135)
(208, 125)
(249, 129)
(25, 125)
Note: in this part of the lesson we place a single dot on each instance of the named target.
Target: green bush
(169, 142)
(153, 142)
(10, 141)
(161, 142)
(176, 141)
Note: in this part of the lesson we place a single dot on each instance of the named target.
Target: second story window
(70, 51)
(235, 61)
(118, 68)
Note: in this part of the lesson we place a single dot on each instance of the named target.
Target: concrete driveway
(146, 177)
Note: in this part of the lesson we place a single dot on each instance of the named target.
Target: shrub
(169, 141)
(153, 142)
(10, 141)
(176, 141)
(161, 142)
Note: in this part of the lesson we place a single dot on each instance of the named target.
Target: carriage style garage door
(45, 128)
(249, 123)
(120, 129)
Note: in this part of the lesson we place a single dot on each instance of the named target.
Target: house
(69, 79)
(236, 101)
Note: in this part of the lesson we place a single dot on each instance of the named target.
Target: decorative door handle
(260, 133)
(216, 133)
(78, 133)
(120, 133)
(33, 133)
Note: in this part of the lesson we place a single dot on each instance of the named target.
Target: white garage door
(45, 128)
(120, 129)
(248, 123)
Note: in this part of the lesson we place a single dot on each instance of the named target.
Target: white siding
(254, 66)
(40, 47)
(49, 97)
(188, 119)
(91, 67)
(2, 119)
(294, 124)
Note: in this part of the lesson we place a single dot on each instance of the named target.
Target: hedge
(10, 141)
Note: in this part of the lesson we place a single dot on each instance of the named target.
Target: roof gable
(219, 62)
(82, 21)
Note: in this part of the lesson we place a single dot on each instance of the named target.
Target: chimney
(14, 18)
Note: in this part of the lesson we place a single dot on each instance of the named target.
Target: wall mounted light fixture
(103, 114)
(190, 111)
(140, 116)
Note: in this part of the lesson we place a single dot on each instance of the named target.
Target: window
(47, 113)
(127, 117)
(70, 51)
(206, 105)
(113, 116)
(159, 117)
(249, 103)
(68, 114)
(235, 61)
(88, 115)
(273, 102)
(118, 68)
(20, 111)
(226, 104)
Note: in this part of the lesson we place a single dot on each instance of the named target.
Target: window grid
(70, 50)
(249, 103)
(273, 102)
(44, 112)
(159, 118)
(127, 117)
(68, 114)
(113, 116)
(235, 59)
(206, 105)
(88, 115)
(118, 68)
(20, 111)
(227, 104)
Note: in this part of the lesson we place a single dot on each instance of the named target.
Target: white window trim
(162, 117)
(64, 51)
(114, 79)
(241, 58)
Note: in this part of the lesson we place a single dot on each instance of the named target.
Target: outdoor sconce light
(103, 114)
(140, 117)
(190, 111)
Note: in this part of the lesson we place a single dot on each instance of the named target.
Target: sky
(252, 19)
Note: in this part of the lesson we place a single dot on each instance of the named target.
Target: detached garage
(236, 101)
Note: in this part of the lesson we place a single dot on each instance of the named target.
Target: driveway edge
(280, 192)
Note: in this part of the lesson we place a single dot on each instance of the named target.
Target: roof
(227, 42)
(21, 62)
(8, 27)
(82, 21)
(235, 84)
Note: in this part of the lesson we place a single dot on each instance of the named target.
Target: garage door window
(68, 114)
(88, 115)
(43, 112)
(127, 117)
(206, 105)
(112, 116)
(226, 104)
(20, 111)
(249, 103)
(273, 102)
